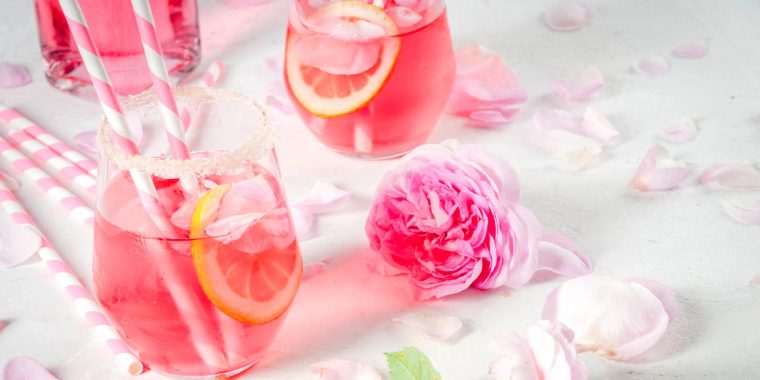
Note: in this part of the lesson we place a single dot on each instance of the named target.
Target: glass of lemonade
(369, 78)
(204, 294)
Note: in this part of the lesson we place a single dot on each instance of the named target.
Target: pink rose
(449, 217)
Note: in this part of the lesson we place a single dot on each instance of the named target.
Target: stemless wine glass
(200, 287)
(369, 78)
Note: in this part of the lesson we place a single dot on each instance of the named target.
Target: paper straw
(53, 163)
(212, 75)
(14, 119)
(68, 282)
(175, 132)
(78, 209)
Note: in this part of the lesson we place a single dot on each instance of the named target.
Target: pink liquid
(114, 30)
(132, 271)
(407, 107)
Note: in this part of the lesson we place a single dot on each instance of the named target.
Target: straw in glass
(68, 282)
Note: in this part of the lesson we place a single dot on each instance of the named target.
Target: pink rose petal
(313, 269)
(13, 75)
(323, 197)
(747, 212)
(11, 183)
(658, 172)
(558, 254)
(568, 16)
(731, 176)
(277, 96)
(547, 120)
(182, 216)
(437, 327)
(597, 126)
(491, 118)
(516, 361)
(341, 369)
(652, 66)
(256, 188)
(584, 84)
(273, 64)
(17, 244)
(617, 319)
(683, 131)
(403, 17)
(303, 221)
(569, 140)
(691, 50)
(233, 227)
(25, 368)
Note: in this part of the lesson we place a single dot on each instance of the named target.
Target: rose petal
(183, 215)
(657, 172)
(731, 176)
(491, 118)
(438, 327)
(337, 56)
(618, 319)
(233, 227)
(558, 254)
(323, 197)
(25, 368)
(13, 75)
(567, 16)
(341, 369)
(596, 125)
(381, 267)
(11, 183)
(691, 50)
(547, 120)
(85, 143)
(403, 17)
(747, 212)
(256, 188)
(652, 66)
(303, 221)
(573, 152)
(683, 131)
(313, 269)
(584, 84)
(273, 64)
(17, 244)
(277, 96)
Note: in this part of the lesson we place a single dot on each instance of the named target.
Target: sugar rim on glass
(220, 163)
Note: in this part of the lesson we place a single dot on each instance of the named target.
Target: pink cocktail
(206, 297)
(369, 79)
(114, 30)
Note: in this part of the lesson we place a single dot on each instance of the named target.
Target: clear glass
(114, 31)
(190, 300)
(369, 79)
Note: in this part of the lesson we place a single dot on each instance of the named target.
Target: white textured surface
(681, 238)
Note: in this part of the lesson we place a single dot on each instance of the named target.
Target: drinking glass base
(216, 376)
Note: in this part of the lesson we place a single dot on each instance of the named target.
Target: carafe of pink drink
(114, 30)
(205, 296)
(368, 80)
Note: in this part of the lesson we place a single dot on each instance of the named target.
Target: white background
(681, 238)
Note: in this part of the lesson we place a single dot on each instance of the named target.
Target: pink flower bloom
(449, 216)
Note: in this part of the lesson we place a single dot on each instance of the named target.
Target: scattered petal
(548, 120)
(652, 66)
(233, 227)
(277, 96)
(597, 126)
(568, 16)
(440, 328)
(17, 244)
(692, 50)
(313, 269)
(558, 254)
(323, 197)
(658, 172)
(25, 368)
(586, 83)
(403, 17)
(576, 152)
(575, 145)
(13, 75)
(731, 176)
(303, 221)
(273, 64)
(617, 319)
(491, 118)
(747, 212)
(11, 183)
(341, 369)
(546, 353)
(683, 131)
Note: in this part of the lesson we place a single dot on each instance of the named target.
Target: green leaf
(411, 364)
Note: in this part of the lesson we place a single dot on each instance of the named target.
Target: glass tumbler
(199, 286)
(114, 30)
(369, 78)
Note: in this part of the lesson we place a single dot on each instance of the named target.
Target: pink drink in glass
(162, 293)
(114, 30)
(400, 111)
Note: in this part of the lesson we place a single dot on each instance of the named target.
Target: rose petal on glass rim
(12, 183)
(683, 131)
(85, 143)
(323, 197)
(25, 368)
(658, 172)
(617, 319)
(437, 327)
(313, 269)
(403, 17)
(12, 75)
(568, 16)
(342, 369)
(747, 212)
(17, 244)
(735, 176)
(558, 254)
(596, 125)
(584, 84)
(232, 228)
(550, 119)
(691, 50)
(652, 66)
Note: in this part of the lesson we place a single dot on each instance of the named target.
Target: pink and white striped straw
(211, 76)
(14, 119)
(175, 131)
(68, 282)
(78, 209)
